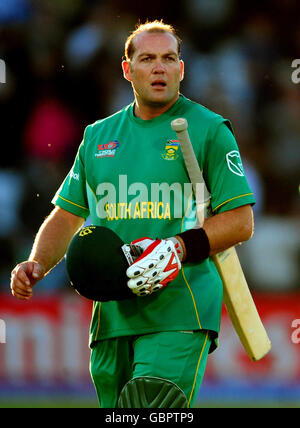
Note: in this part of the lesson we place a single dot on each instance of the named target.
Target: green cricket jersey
(129, 175)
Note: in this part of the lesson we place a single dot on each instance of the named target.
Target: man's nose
(158, 66)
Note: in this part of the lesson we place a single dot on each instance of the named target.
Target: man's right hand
(23, 277)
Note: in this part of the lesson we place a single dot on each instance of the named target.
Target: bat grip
(193, 168)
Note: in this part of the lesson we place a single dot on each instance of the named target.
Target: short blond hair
(149, 27)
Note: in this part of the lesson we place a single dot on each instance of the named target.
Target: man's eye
(170, 58)
(147, 58)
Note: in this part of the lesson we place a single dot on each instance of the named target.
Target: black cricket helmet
(96, 265)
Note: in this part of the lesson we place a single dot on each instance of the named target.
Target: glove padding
(157, 265)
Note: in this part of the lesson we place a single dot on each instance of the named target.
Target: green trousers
(177, 356)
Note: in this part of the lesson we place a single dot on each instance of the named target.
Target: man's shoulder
(201, 114)
(199, 110)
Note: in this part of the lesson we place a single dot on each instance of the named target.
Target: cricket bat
(237, 297)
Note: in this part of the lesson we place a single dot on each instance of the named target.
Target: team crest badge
(171, 150)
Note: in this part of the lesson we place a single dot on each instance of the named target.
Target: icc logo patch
(107, 150)
(171, 150)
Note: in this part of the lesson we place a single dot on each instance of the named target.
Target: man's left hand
(158, 265)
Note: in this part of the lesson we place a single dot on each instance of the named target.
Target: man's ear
(181, 70)
(126, 70)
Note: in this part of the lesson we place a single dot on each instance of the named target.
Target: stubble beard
(148, 101)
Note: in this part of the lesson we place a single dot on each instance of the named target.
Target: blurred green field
(70, 403)
(46, 403)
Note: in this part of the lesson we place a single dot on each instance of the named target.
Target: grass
(77, 403)
(251, 405)
(46, 403)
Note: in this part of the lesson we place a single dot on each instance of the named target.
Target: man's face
(155, 70)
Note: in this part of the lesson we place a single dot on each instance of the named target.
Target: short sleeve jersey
(129, 175)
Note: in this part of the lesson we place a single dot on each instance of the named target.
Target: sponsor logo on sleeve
(234, 163)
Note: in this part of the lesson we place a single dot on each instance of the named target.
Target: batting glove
(157, 265)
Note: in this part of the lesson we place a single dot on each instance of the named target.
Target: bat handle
(179, 125)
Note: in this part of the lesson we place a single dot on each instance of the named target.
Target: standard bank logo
(234, 163)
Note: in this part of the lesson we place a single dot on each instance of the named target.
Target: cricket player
(129, 176)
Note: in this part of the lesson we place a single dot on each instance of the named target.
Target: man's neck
(147, 112)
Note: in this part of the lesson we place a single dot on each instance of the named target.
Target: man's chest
(138, 156)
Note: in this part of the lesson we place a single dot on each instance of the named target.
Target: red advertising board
(281, 317)
(46, 339)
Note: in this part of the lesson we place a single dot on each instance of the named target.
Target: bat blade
(237, 297)
(240, 305)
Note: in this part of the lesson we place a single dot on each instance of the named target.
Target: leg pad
(151, 392)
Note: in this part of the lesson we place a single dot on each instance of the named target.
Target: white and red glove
(157, 265)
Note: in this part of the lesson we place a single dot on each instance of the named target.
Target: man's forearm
(229, 228)
(218, 233)
(53, 238)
